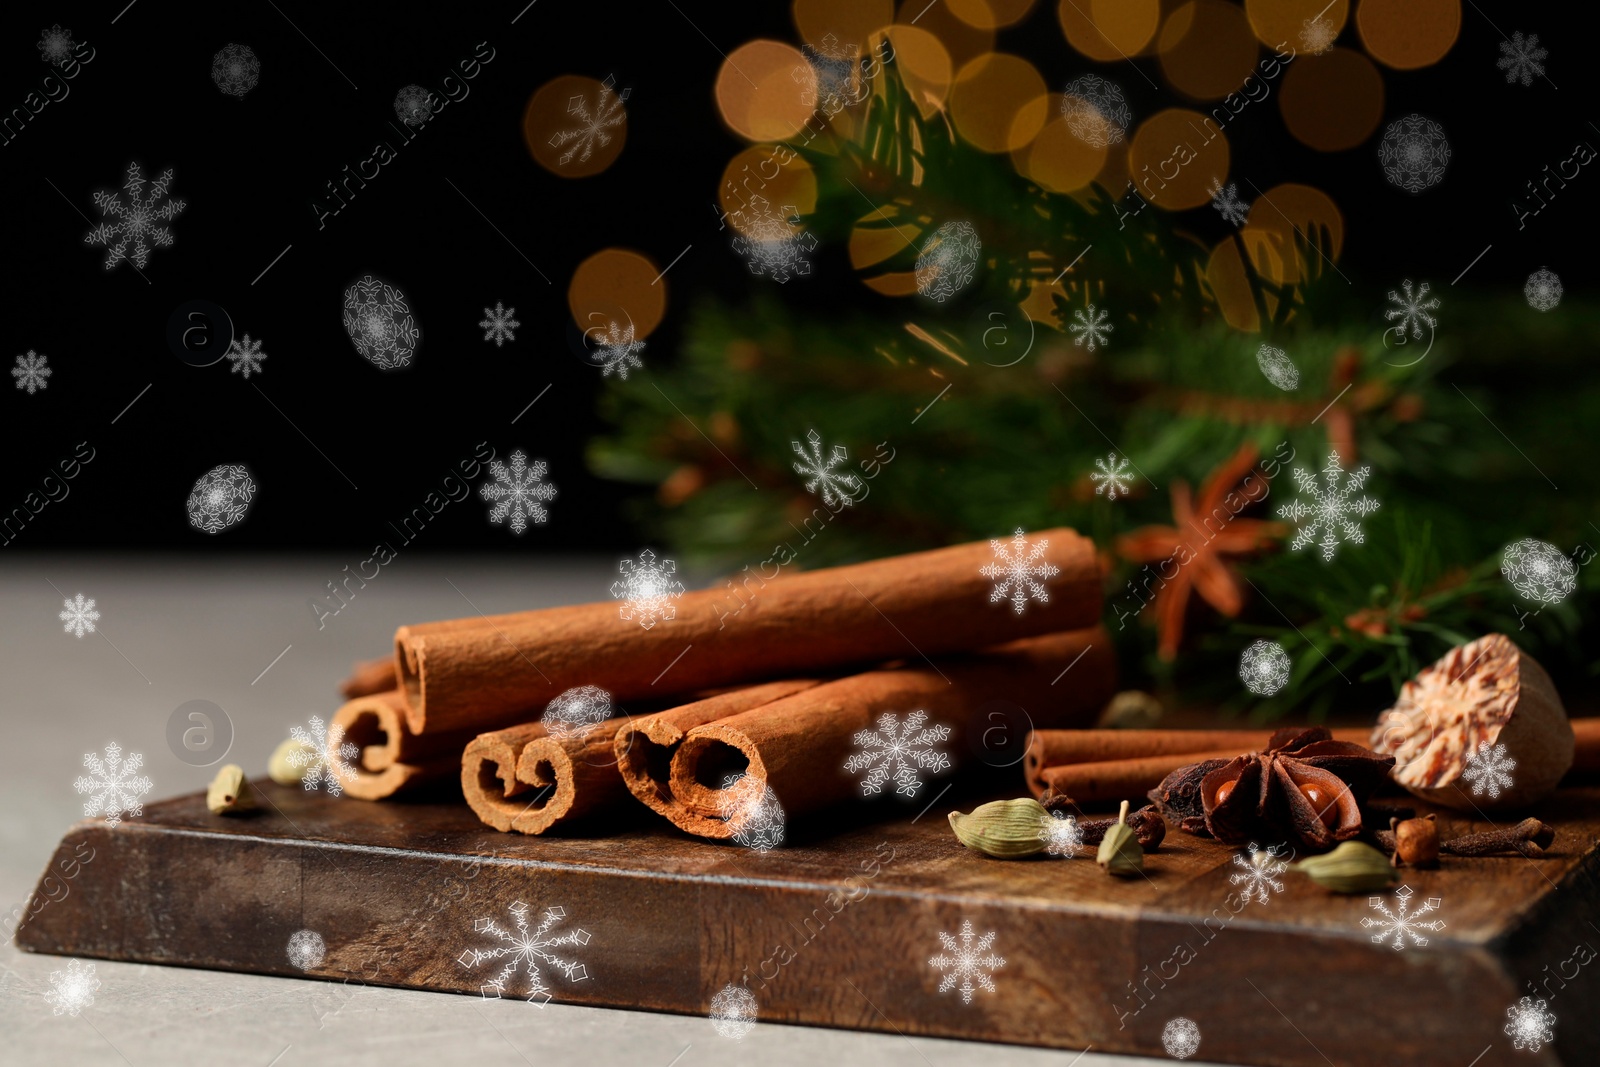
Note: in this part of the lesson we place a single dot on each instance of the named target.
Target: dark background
(249, 170)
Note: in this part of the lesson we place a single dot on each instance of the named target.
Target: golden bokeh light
(1285, 208)
(1108, 30)
(989, 14)
(1207, 49)
(1333, 101)
(924, 65)
(1226, 275)
(617, 285)
(1407, 34)
(774, 173)
(962, 40)
(998, 102)
(763, 88)
(872, 242)
(1057, 160)
(849, 22)
(1280, 22)
(547, 118)
(1273, 261)
(1171, 161)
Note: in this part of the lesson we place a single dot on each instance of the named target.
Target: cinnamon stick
(527, 780)
(393, 759)
(1086, 783)
(490, 671)
(1586, 749)
(368, 677)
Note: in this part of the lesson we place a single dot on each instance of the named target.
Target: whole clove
(1149, 828)
(1530, 838)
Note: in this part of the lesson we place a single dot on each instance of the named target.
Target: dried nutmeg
(1120, 853)
(1483, 728)
(1416, 842)
(1005, 829)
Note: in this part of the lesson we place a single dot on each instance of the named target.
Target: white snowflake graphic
(377, 318)
(833, 80)
(1264, 668)
(1538, 571)
(246, 356)
(1111, 477)
(614, 349)
(137, 220)
(733, 1011)
(1411, 312)
(1090, 325)
(1317, 35)
(1522, 59)
(220, 497)
(306, 949)
(1532, 1024)
(647, 589)
(900, 748)
(965, 962)
(323, 756)
(1278, 368)
(1096, 111)
(1259, 873)
(1414, 153)
(591, 134)
(55, 48)
(574, 711)
(112, 785)
(413, 105)
(529, 950)
(819, 472)
(1015, 573)
(773, 243)
(498, 325)
(518, 491)
(1225, 198)
(1061, 834)
(1543, 290)
(1181, 1038)
(1332, 511)
(1489, 770)
(78, 615)
(31, 371)
(750, 807)
(1402, 923)
(235, 69)
(948, 260)
(73, 989)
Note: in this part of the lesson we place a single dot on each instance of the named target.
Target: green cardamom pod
(1005, 829)
(1120, 852)
(1353, 867)
(290, 761)
(229, 793)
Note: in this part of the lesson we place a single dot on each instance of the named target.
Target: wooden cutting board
(842, 930)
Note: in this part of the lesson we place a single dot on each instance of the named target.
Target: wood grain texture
(838, 930)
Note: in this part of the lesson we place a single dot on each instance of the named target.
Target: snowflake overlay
(73, 989)
(574, 711)
(1264, 668)
(834, 81)
(1402, 923)
(1532, 1024)
(898, 748)
(733, 1011)
(836, 486)
(306, 949)
(31, 371)
(1259, 873)
(1061, 834)
(948, 260)
(1414, 153)
(220, 497)
(965, 962)
(1090, 325)
(1543, 290)
(1489, 770)
(413, 105)
(518, 492)
(55, 48)
(236, 69)
(1225, 198)
(1016, 572)
(751, 808)
(1522, 59)
(647, 589)
(113, 788)
(1111, 477)
(1411, 312)
(1181, 1038)
(498, 324)
(608, 112)
(323, 756)
(137, 220)
(1317, 35)
(772, 243)
(614, 350)
(1278, 368)
(78, 615)
(1332, 511)
(526, 949)
(245, 356)
(377, 318)
(1538, 571)
(1096, 111)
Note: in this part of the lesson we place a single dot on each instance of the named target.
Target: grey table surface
(237, 631)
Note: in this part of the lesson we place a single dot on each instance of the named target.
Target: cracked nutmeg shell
(1486, 693)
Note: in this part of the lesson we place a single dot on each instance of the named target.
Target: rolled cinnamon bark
(369, 677)
(1122, 779)
(489, 671)
(527, 780)
(392, 759)
(1586, 749)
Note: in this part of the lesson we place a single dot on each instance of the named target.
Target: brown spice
(1530, 837)
(1416, 841)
